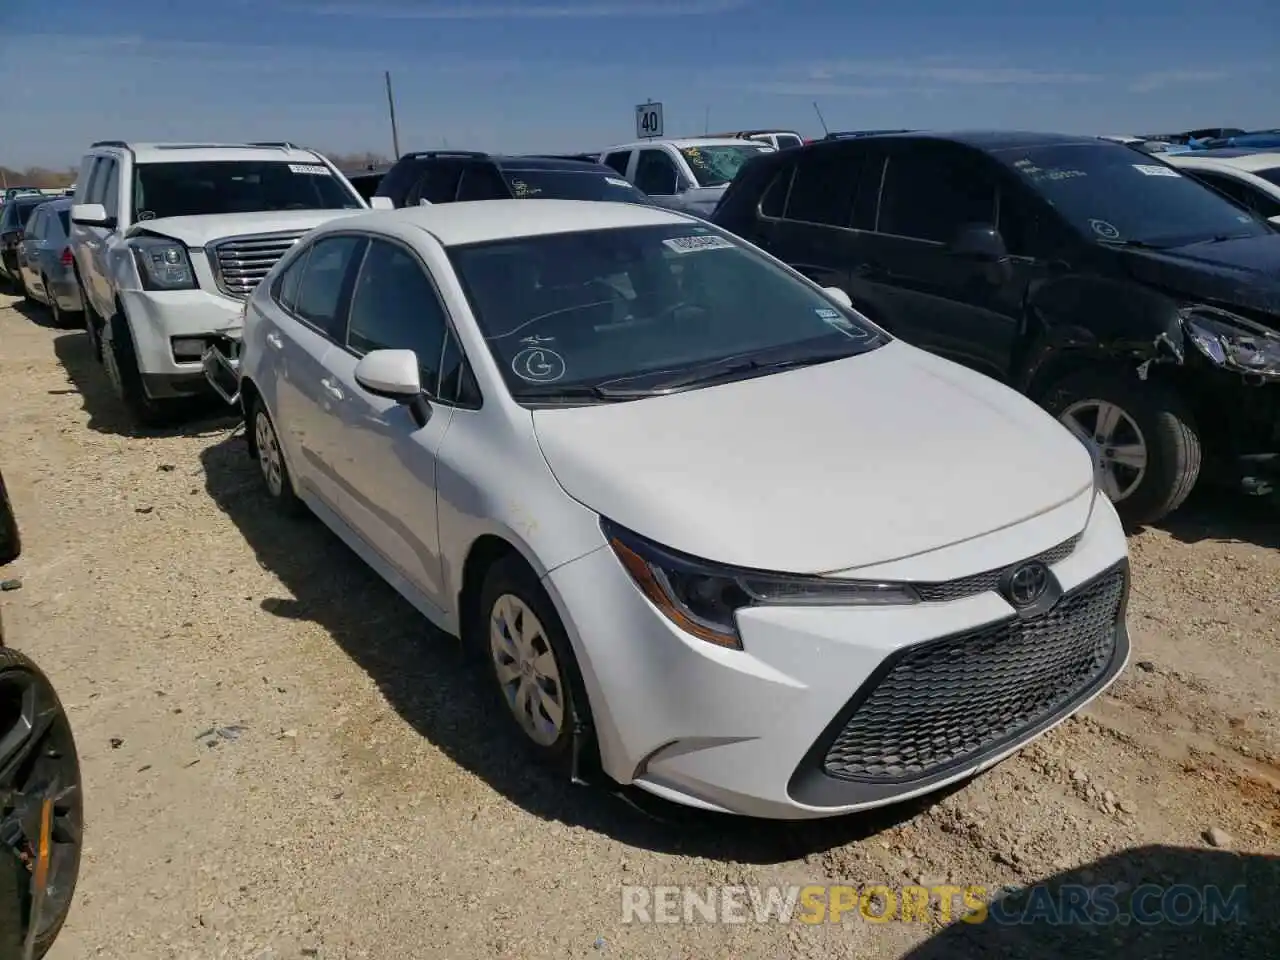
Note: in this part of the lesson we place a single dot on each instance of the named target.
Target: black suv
(443, 176)
(1138, 306)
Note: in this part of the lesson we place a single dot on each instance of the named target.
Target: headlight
(1231, 341)
(703, 598)
(162, 264)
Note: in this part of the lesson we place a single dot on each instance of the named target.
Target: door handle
(273, 339)
(332, 389)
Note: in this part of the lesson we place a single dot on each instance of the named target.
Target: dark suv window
(656, 173)
(931, 191)
(619, 161)
(825, 184)
(1243, 194)
(480, 181)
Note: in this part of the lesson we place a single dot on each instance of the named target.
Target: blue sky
(525, 75)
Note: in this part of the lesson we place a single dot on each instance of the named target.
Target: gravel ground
(362, 801)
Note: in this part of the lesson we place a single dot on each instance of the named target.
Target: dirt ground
(361, 800)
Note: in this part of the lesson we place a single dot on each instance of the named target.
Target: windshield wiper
(732, 368)
(1221, 238)
(550, 392)
(1136, 244)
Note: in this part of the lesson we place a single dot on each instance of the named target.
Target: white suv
(168, 241)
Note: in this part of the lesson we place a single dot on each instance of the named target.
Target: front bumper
(752, 731)
(159, 317)
(221, 365)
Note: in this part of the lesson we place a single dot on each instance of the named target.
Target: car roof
(681, 142)
(1246, 160)
(480, 221)
(542, 162)
(206, 152)
(996, 139)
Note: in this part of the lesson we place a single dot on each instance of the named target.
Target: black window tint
(481, 182)
(786, 140)
(457, 382)
(286, 288)
(64, 218)
(825, 184)
(619, 161)
(395, 307)
(319, 299)
(774, 201)
(655, 173)
(930, 193)
(438, 183)
(111, 188)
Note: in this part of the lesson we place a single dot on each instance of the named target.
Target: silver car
(44, 260)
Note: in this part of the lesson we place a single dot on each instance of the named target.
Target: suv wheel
(121, 363)
(1148, 445)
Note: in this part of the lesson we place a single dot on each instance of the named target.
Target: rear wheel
(1148, 445)
(271, 462)
(55, 312)
(121, 362)
(41, 805)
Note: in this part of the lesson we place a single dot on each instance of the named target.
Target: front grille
(240, 263)
(945, 701)
(988, 580)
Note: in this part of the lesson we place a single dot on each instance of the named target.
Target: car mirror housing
(395, 375)
(979, 241)
(92, 215)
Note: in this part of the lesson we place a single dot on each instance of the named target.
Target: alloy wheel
(527, 670)
(1118, 441)
(269, 456)
(41, 805)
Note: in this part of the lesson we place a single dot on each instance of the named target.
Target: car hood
(1244, 272)
(822, 469)
(198, 231)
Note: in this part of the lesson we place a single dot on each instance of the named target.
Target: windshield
(1271, 175)
(635, 306)
(1115, 194)
(715, 166)
(571, 185)
(235, 186)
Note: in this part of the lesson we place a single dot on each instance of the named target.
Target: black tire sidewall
(513, 576)
(1168, 429)
(127, 381)
(286, 501)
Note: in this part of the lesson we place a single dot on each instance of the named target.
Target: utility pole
(825, 131)
(391, 108)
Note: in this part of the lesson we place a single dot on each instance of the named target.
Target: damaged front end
(221, 363)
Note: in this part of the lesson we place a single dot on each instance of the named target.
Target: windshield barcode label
(690, 244)
(315, 169)
(1152, 170)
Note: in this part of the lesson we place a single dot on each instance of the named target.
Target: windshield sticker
(690, 244)
(522, 189)
(315, 169)
(1036, 174)
(1152, 170)
(146, 215)
(617, 182)
(1105, 230)
(538, 365)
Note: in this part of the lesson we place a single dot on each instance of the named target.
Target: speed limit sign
(648, 120)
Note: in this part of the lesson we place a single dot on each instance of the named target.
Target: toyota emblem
(1027, 583)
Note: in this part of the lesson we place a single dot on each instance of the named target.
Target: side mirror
(394, 375)
(1275, 220)
(381, 203)
(92, 215)
(979, 241)
(839, 296)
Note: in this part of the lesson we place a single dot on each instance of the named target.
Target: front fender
(1102, 319)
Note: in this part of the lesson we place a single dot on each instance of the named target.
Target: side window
(619, 161)
(83, 178)
(1239, 192)
(33, 225)
(438, 183)
(774, 201)
(656, 174)
(457, 382)
(481, 182)
(321, 293)
(824, 187)
(395, 307)
(285, 290)
(97, 181)
(929, 193)
(110, 175)
(788, 140)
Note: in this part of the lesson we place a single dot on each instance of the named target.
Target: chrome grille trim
(239, 263)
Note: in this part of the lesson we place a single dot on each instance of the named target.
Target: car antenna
(825, 131)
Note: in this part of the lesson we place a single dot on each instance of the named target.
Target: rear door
(32, 244)
(306, 315)
(656, 175)
(950, 305)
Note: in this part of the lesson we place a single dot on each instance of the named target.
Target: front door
(385, 461)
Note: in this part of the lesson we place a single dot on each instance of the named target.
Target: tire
(53, 755)
(512, 592)
(1165, 429)
(265, 445)
(92, 326)
(121, 363)
(21, 284)
(55, 312)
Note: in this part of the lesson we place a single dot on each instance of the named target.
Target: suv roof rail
(108, 143)
(430, 154)
(282, 144)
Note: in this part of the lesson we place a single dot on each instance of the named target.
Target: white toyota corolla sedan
(700, 516)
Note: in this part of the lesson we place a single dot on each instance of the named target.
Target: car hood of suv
(859, 461)
(1243, 272)
(201, 230)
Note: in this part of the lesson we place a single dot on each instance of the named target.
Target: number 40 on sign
(648, 120)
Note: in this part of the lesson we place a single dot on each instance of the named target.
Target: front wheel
(532, 664)
(41, 807)
(271, 462)
(120, 359)
(1148, 445)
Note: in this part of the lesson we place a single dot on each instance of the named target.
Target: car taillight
(66, 258)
